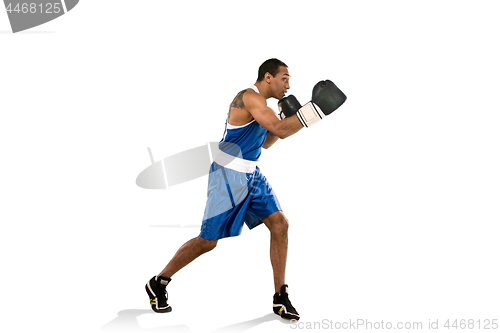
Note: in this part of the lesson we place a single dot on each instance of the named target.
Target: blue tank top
(244, 141)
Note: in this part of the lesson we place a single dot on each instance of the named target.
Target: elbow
(266, 145)
(283, 135)
(280, 133)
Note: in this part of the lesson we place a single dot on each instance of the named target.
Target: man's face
(280, 83)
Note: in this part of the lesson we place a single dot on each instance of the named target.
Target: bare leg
(278, 226)
(191, 250)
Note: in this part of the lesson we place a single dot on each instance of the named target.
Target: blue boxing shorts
(235, 198)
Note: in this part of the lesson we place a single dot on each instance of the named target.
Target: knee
(281, 225)
(284, 224)
(207, 244)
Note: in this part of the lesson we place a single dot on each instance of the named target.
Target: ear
(267, 77)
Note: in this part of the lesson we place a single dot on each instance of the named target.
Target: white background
(392, 200)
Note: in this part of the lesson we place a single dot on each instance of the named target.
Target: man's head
(275, 74)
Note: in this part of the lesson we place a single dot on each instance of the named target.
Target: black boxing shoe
(282, 305)
(158, 296)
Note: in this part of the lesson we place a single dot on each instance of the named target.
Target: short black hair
(271, 66)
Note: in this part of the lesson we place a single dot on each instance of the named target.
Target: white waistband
(235, 163)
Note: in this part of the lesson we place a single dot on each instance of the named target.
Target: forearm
(288, 126)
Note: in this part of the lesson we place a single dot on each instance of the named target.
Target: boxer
(238, 193)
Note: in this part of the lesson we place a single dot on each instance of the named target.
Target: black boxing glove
(288, 106)
(326, 98)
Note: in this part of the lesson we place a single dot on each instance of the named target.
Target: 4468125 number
(485, 324)
(33, 8)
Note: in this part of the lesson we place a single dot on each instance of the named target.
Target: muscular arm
(265, 116)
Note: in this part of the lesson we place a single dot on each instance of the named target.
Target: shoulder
(248, 98)
(253, 99)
